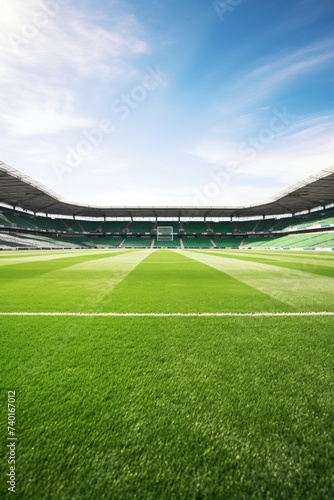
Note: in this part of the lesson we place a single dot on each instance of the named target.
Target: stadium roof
(20, 191)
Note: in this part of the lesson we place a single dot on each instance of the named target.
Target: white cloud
(33, 34)
(244, 141)
(49, 52)
(255, 86)
(303, 148)
(42, 110)
(50, 81)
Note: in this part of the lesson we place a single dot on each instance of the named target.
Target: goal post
(165, 233)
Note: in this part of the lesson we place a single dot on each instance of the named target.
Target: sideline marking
(133, 314)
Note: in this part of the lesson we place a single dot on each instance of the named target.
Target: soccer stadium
(167, 250)
(183, 357)
(301, 217)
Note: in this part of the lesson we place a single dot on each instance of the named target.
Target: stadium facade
(32, 216)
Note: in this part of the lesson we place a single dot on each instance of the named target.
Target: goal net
(165, 233)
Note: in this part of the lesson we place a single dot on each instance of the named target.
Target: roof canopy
(19, 190)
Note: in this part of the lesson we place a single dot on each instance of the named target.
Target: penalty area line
(176, 314)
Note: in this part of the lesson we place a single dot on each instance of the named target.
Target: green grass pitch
(162, 405)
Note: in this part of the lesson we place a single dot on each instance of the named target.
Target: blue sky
(165, 102)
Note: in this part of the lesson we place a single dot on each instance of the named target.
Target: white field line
(152, 314)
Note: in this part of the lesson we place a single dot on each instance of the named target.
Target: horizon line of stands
(32, 241)
(21, 220)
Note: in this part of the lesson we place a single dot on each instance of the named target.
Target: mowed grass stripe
(300, 290)
(315, 266)
(155, 408)
(291, 253)
(62, 256)
(26, 254)
(70, 284)
(162, 315)
(185, 286)
(325, 258)
(122, 259)
(19, 257)
(32, 269)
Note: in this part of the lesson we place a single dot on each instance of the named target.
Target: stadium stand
(56, 232)
(175, 225)
(223, 227)
(4, 221)
(17, 219)
(240, 226)
(8, 241)
(137, 242)
(326, 222)
(115, 227)
(106, 241)
(250, 242)
(195, 227)
(176, 243)
(90, 226)
(314, 219)
(197, 242)
(265, 225)
(77, 241)
(33, 241)
(48, 224)
(306, 240)
(27, 220)
(227, 242)
(282, 224)
(245, 226)
(73, 225)
(139, 227)
(322, 241)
